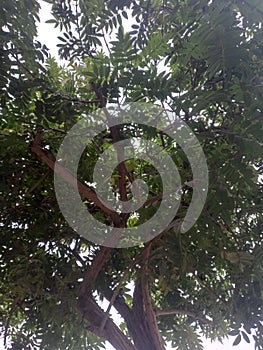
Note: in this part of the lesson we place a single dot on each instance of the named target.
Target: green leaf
(237, 340)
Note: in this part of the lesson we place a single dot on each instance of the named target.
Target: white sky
(47, 35)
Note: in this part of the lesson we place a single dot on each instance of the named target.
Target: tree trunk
(95, 316)
(136, 322)
(140, 319)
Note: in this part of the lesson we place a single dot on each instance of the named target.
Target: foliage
(200, 59)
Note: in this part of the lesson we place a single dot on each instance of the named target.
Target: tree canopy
(203, 62)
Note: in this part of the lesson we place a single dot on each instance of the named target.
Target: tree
(202, 61)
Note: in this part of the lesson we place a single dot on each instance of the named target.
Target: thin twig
(77, 101)
(78, 26)
(73, 252)
(182, 312)
(118, 288)
(32, 189)
(114, 296)
(159, 196)
(106, 43)
(209, 289)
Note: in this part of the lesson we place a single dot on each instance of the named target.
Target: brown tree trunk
(95, 315)
(136, 320)
(136, 324)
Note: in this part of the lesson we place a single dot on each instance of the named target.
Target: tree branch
(157, 197)
(98, 262)
(116, 136)
(150, 314)
(94, 314)
(183, 312)
(208, 288)
(32, 189)
(116, 293)
(47, 158)
(93, 270)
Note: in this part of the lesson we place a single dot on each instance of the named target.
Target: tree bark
(135, 319)
(95, 315)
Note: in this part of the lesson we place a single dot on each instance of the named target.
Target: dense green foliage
(202, 60)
